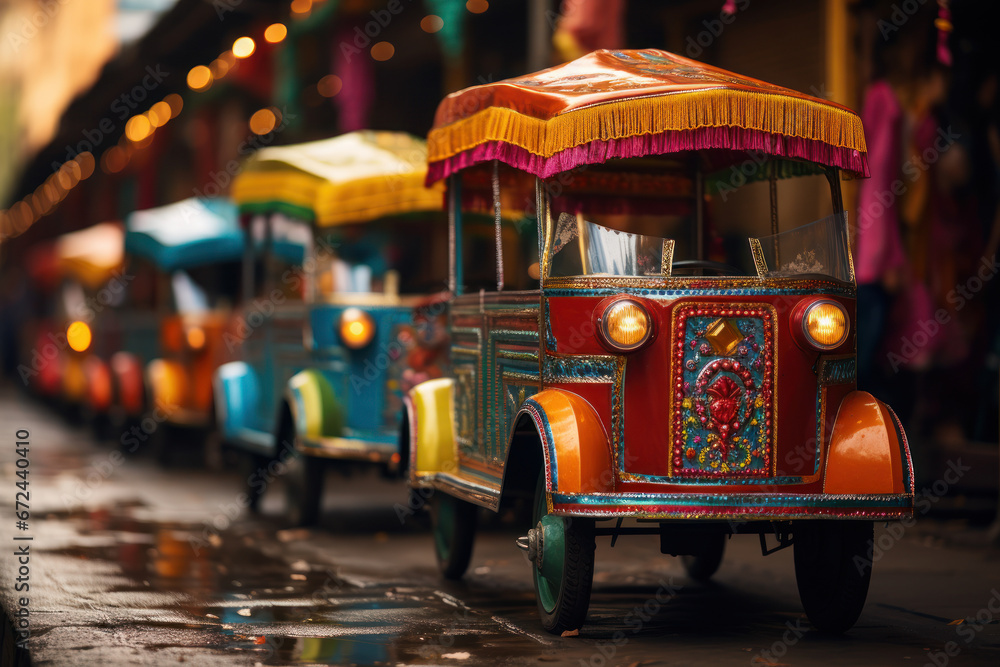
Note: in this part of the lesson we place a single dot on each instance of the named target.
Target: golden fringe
(340, 203)
(722, 108)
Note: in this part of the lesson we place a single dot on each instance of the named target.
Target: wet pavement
(133, 564)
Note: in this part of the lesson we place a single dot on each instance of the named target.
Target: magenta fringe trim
(596, 152)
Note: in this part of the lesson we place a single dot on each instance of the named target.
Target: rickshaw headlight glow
(625, 325)
(195, 338)
(356, 328)
(825, 324)
(78, 336)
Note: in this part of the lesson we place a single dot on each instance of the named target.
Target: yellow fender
(433, 447)
(575, 447)
(868, 451)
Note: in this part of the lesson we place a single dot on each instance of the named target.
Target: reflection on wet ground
(158, 576)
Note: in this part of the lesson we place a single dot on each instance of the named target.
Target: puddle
(239, 595)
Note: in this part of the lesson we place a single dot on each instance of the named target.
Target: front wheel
(561, 550)
(832, 569)
(303, 488)
(453, 523)
(253, 470)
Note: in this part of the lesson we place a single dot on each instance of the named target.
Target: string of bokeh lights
(140, 128)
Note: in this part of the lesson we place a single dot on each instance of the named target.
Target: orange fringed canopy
(634, 103)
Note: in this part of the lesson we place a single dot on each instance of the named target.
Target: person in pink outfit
(879, 258)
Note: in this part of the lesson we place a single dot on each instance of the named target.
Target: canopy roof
(187, 233)
(91, 255)
(356, 177)
(632, 103)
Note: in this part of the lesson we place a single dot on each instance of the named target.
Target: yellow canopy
(356, 177)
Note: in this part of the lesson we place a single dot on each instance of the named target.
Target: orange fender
(127, 372)
(868, 450)
(167, 383)
(99, 389)
(575, 447)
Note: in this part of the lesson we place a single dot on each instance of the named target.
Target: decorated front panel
(723, 399)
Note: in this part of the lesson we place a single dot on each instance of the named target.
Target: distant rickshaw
(196, 248)
(681, 364)
(100, 368)
(324, 338)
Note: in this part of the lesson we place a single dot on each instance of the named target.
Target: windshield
(583, 248)
(819, 248)
(389, 257)
(660, 232)
(204, 288)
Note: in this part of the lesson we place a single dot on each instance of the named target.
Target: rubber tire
(453, 526)
(303, 488)
(832, 586)
(161, 443)
(700, 567)
(248, 466)
(573, 599)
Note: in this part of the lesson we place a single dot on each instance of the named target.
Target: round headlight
(825, 325)
(78, 336)
(356, 328)
(625, 325)
(195, 338)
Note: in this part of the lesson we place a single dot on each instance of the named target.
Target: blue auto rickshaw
(323, 342)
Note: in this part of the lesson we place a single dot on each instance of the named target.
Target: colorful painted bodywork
(621, 435)
(185, 235)
(107, 375)
(297, 382)
(723, 414)
(343, 403)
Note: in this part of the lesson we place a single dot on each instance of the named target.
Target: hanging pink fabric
(944, 26)
(357, 92)
(594, 24)
(879, 247)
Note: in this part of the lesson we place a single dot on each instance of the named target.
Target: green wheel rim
(549, 578)
(444, 526)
